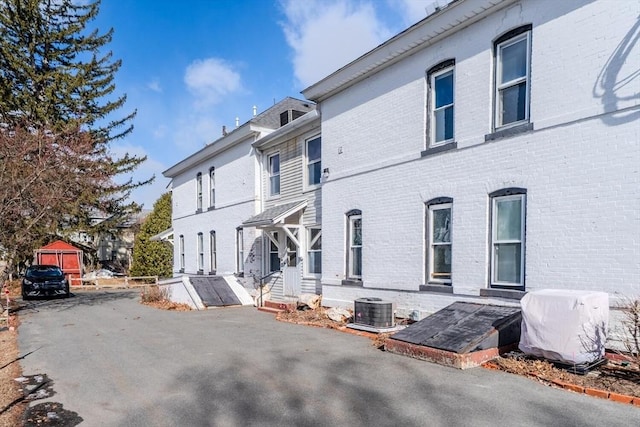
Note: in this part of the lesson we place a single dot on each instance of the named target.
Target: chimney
(237, 121)
(224, 130)
(255, 111)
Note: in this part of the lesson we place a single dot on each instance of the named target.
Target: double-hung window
(314, 250)
(274, 258)
(354, 243)
(199, 191)
(274, 175)
(213, 260)
(314, 168)
(441, 86)
(212, 187)
(181, 250)
(439, 240)
(200, 252)
(240, 250)
(507, 237)
(513, 80)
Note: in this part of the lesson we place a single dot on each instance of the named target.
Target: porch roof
(274, 214)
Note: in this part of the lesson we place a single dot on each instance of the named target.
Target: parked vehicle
(44, 280)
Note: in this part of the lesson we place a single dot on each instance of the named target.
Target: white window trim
(199, 191)
(309, 244)
(431, 243)
(495, 241)
(213, 252)
(212, 187)
(500, 86)
(350, 246)
(240, 250)
(307, 185)
(181, 250)
(276, 241)
(270, 193)
(200, 248)
(432, 109)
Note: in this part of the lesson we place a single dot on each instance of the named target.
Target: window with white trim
(439, 240)
(274, 175)
(508, 238)
(314, 250)
(274, 258)
(314, 161)
(213, 259)
(512, 56)
(239, 250)
(200, 252)
(354, 245)
(441, 110)
(212, 187)
(199, 191)
(181, 250)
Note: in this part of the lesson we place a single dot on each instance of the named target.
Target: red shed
(65, 256)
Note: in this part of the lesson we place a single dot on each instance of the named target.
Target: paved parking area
(118, 363)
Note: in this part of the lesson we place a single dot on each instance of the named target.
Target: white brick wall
(580, 166)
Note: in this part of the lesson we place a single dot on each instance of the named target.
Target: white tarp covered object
(565, 326)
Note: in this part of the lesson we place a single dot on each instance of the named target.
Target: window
(292, 249)
(240, 250)
(200, 252)
(212, 187)
(314, 168)
(213, 261)
(354, 236)
(199, 191)
(441, 89)
(507, 237)
(314, 250)
(513, 53)
(274, 259)
(181, 249)
(274, 175)
(439, 240)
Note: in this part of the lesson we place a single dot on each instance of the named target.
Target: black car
(44, 280)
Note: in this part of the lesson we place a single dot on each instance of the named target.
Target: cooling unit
(374, 312)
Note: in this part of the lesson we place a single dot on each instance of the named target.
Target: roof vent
(374, 312)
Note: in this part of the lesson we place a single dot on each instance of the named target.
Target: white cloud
(326, 35)
(154, 85)
(210, 79)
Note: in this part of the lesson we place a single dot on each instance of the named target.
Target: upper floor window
(507, 237)
(439, 240)
(212, 187)
(441, 108)
(354, 244)
(199, 191)
(314, 168)
(200, 252)
(274, 175)
(513, 56)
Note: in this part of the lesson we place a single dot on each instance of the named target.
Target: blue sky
(190, 67)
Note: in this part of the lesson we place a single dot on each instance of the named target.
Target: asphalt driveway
(118, 363)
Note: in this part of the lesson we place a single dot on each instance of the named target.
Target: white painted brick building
(492, 148)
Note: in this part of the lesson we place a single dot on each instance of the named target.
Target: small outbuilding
(66, 256)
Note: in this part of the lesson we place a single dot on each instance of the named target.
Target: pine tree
(152, 258)
(57, 84)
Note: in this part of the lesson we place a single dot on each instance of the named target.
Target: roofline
(443, 22)
(285, 131)
(244, 132)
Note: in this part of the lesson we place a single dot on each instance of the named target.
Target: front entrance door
(291, 269)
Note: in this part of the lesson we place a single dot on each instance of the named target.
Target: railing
(263, 283)
(117, 282)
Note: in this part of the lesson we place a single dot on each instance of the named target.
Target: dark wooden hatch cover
(214, 291)
(464, 327)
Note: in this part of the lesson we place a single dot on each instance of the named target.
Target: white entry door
(291, 270)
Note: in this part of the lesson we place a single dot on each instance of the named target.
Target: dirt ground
(616, 376)
(11, 404)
